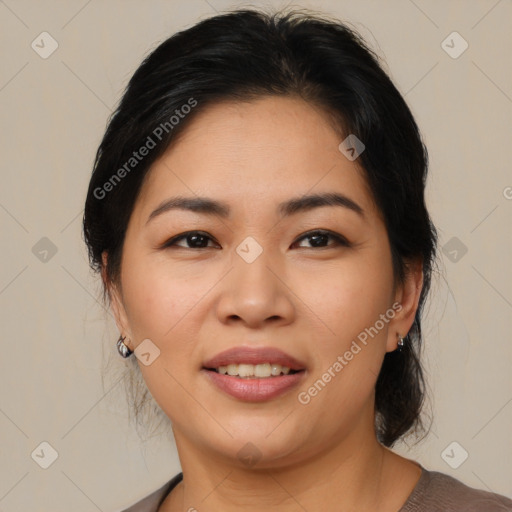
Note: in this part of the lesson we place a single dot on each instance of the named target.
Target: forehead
(256, 154)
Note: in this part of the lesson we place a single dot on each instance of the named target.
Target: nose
(255, 294)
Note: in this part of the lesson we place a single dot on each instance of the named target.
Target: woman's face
(252, 279)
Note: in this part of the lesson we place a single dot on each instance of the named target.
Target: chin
(260, 444)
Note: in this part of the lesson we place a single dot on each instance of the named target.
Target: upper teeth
(254, 370)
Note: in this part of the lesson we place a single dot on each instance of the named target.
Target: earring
(400, 344)
(122, 348)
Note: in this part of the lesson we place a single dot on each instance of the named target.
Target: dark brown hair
(247, 54)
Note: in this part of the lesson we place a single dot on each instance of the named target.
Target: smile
(247, 371)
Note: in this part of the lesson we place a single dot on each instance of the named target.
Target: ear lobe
(115, 298)
(408, 296)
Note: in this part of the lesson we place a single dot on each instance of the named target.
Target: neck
(353, 474)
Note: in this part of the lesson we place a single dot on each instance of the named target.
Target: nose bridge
(252, 268)
(253, 291)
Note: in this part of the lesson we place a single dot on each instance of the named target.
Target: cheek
(160, 301)
(347, 363)
(347, 297)
(348, 302)
(160, 306)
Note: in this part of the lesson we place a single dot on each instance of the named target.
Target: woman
(257, 214)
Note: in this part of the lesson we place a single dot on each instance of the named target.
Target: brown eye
(319, 239)
(194, 239)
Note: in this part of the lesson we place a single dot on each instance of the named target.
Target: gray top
(434, 492)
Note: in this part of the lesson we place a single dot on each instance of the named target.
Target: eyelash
(340, 241)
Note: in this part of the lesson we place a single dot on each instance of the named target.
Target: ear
(407, 295)
(116, 302)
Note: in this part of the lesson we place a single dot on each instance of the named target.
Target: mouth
(247, 361)
(251, 388)
(254, 374)
(254, 371)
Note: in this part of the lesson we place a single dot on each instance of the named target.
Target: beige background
(55, 335)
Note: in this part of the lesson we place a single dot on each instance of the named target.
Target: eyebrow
(207, 206)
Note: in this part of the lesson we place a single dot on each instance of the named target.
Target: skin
(309, 301)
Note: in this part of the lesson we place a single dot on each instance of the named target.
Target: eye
(318, 237)
(199, 239)
(196, 239)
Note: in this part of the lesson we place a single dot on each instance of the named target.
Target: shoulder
(151, 502)
(437, 491)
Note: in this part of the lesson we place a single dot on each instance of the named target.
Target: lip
(257, 389)
(254, 355)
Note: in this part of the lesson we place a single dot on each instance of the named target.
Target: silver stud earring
(122, 348)
(400, 344)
